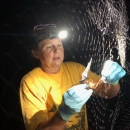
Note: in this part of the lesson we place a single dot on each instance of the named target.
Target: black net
(98, 29)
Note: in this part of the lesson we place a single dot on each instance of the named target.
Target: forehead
(50, 41)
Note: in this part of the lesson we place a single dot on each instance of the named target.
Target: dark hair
(42, 32)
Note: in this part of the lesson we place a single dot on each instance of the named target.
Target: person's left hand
(112, 72)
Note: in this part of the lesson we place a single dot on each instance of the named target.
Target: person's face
(51, 52)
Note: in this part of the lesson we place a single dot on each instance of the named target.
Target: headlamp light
(48, 31)
(62, 34)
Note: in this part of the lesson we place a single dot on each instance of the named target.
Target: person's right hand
(73, 100)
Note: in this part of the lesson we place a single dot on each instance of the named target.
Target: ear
(35, 53)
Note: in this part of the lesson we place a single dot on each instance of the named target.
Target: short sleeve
(32, 104)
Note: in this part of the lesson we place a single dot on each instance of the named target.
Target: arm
(107, 86)
(111, 74)
(55, 123)
(72, 102)
(102, 89)
(108, 91)
(113, 91)
(34, 110)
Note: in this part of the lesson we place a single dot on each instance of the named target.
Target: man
(51, 96)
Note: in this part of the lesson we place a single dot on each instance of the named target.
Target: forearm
(113, 90)
(109, 91)
(55, 123)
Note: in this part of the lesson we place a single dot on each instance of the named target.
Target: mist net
(99, 31)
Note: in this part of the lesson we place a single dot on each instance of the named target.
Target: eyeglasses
(42, 26)
(44, 31)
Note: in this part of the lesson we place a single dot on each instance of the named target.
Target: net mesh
(97, 29)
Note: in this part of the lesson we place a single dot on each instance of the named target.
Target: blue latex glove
(73, 100)
(112, 72)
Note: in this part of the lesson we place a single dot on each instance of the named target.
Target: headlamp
(48, 31)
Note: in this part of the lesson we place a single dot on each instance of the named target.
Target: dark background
(17, 19)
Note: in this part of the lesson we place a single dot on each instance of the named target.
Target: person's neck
(51, 70)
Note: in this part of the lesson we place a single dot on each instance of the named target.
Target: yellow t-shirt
(41, 93)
